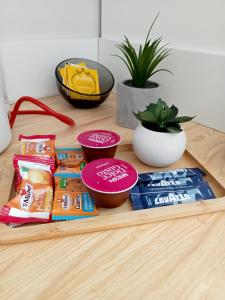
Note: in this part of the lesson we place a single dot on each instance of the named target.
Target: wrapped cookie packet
(71, 199)
(70, 160)
(34, 168)
(34, 191)
(38, 145)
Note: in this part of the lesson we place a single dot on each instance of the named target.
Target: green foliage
(159, 117)
(142, 64)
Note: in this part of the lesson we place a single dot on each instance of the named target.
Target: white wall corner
(29, 66)
(197, 86)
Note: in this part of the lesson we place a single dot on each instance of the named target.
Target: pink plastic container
(98, 144)
(109, 181)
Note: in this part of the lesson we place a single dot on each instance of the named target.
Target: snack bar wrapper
(71, 200)
(38, 145)
(171, 174)
(21, 161)
(163, 183)
(80, 80)
(34, 191)
(143, 197)
(70, 160)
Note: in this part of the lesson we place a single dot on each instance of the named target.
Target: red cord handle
(46, 111)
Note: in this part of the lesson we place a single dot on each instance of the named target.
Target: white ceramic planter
(158, 149)
(5, 131)
(133, 99)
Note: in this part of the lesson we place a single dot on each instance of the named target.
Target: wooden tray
(123, 216)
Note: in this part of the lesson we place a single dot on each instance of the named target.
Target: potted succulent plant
(134, 93)
(159, 140)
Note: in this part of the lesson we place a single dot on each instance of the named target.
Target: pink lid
(98, 139)
(109, 175)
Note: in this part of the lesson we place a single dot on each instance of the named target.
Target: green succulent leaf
(168, 113)
(151, 106)
(181, 119)
(137, 116)
(159, 117)
(162, 103)
(174, 111)
(160, 107)
(165, 114)
(143, 63)
(148, 116)
(173, 129)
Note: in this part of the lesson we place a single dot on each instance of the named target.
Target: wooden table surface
(177, 259)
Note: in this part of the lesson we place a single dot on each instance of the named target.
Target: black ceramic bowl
(106, 83)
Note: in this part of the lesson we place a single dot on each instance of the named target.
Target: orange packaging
(70, 160)
(37, 145)
(71, 200)
(69, 183)
(34, 188)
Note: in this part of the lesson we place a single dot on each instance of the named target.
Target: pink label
(109, 175)
(98, 139)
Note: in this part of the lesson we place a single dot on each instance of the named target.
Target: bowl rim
(89, 95)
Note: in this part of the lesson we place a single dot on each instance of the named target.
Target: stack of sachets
(71, 199)
(170, 187)
(34, 168)
(81, 79)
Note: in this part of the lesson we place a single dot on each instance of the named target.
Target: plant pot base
(131, 99)
(158, 149)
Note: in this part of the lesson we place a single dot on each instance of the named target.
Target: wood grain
(122, 216)
(176, 259)
(108, 222)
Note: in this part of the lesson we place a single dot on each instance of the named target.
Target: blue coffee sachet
(143, 197)
(163, 183)
(171, 174)
(135, 197)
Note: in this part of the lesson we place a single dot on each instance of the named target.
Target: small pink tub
(109, 181)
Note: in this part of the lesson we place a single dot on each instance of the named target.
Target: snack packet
(80, 79)
(70, 160)
(64, 72)
(71, 200)
(145, 197)
(171, 174)
(37, 145)
(69, 182)
(34, 191)
(23, 163)
(83, 79)
(183, 181)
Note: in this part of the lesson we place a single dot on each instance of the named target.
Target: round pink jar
(98, 144)
(109, 181)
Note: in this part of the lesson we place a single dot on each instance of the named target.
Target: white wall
(191, 25)
(36, 35)
(29, 66)
(195, 32)
(43, 19)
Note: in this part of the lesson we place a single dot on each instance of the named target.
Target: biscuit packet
(38, 145)
(70, 160)
(34, 191)
(71, 200)
(32, 162)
